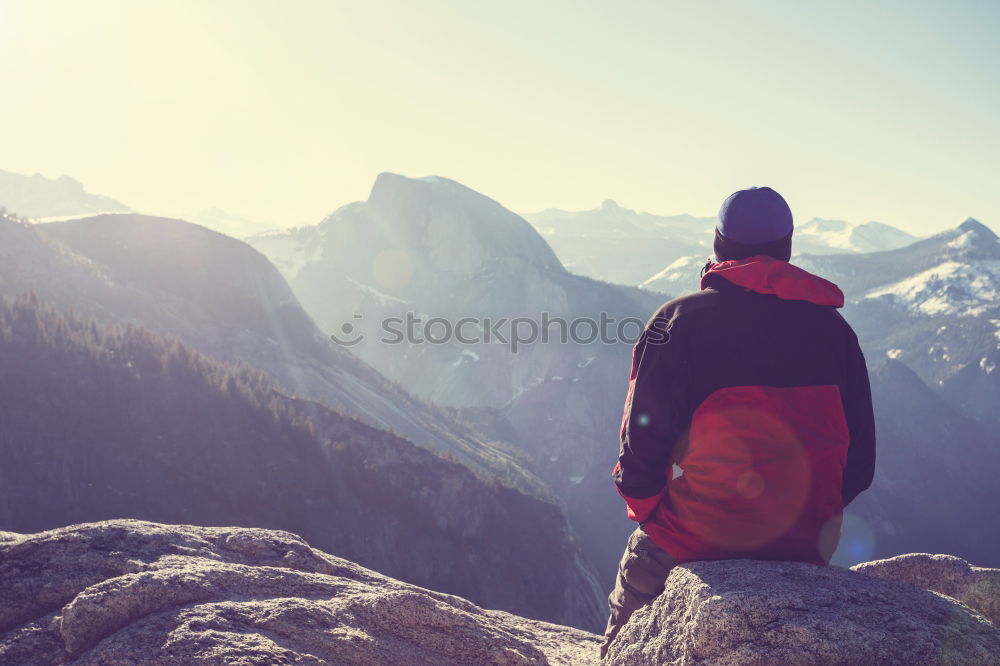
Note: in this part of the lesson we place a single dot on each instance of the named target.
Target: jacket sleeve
(655, 416)
(860, 468)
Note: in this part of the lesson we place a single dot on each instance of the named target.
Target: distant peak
(387, 177)
(974, 225)
(972, 236)
(820, 223)
(394, 184)
(610, 204)
(389, 186)
(891, 368)
(403, 195)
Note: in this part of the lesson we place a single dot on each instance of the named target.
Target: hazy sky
(286, 110)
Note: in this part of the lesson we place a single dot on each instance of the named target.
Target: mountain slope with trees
(100, 422)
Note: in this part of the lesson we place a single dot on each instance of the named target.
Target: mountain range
(928, 317)
(226, 300)
(561, 405)
(38, 197)
(625, 246)
(933, 305)
(313, 307)
(103, 421)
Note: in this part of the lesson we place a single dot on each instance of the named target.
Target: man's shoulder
(683, 307)
(696, 307)
(843, 325)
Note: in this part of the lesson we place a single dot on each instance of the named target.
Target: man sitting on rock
(756, 388)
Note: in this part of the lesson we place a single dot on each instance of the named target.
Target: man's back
(756, 388)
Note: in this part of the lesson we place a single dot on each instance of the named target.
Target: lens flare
(857, 542)
(743, 455)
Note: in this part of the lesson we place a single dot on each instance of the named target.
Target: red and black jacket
(757, 389)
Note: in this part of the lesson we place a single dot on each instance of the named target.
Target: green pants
(641, 574)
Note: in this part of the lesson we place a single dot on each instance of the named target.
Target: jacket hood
(767, 275)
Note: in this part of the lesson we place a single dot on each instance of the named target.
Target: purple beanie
(755, 216)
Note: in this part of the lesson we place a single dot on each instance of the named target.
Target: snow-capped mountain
(656, 252)
(816, 236)
(956, 272)
(41, 198)
(681, 276)
(934, 305)
(819, 236)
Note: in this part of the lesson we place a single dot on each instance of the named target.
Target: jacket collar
(766, 275)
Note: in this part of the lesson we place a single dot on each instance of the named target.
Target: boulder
(746, 612)
(134, 592)
(976, 587)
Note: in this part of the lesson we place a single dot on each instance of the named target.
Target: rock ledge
(134, 592)
(740, 612)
